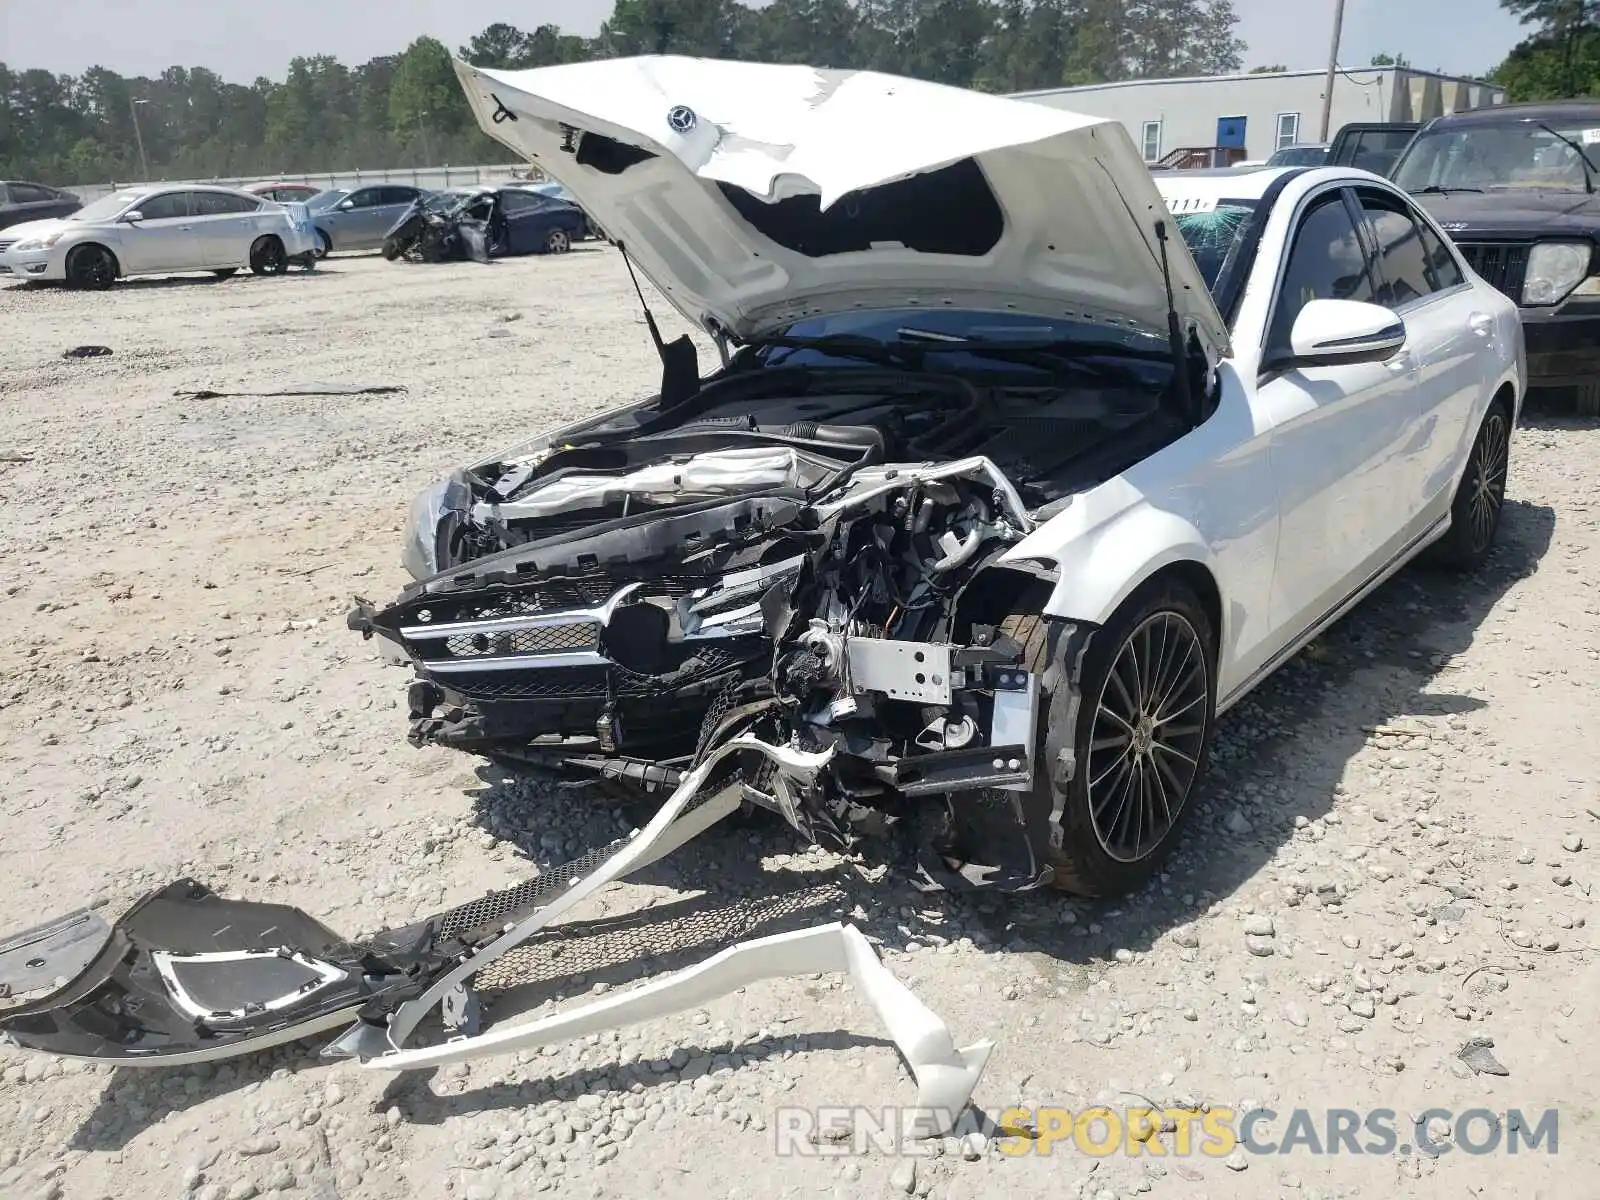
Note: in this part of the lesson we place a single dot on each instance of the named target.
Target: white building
(1260, 113)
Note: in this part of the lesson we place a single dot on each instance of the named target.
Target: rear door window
(216, 204)
(514, 201)
(1404, 273)
(1441, 262)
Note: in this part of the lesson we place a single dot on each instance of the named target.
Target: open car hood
(755, 195)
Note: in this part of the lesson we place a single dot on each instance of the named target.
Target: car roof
(1252, 183)
(1244, 183)
(149, 189)
(1549, 110)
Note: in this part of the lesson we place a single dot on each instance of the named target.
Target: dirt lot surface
(1395, 853)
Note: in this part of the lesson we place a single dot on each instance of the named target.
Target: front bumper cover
(1563, 347)
(187, 976)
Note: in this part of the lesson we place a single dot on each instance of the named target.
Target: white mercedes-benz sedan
(156, 229)
(1018, 470)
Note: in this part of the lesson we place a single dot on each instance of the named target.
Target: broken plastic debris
(1476, 1055)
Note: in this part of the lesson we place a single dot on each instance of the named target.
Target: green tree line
(407, 109)
(1561, 58)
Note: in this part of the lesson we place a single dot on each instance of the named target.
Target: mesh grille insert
(480, 919)
(550, 639)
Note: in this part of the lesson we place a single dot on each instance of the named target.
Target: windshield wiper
(1588, 167)
(1434, 189)
(843, 345)
(1059, 348)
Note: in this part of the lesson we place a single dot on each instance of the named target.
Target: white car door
(163, 239)
(1449, 331)
(1336, 429)
(227, 227)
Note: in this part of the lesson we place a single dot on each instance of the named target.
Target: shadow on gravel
(592, 957)
(412, 1093)
(136, 1098)
(1547, 422)
(156, 283)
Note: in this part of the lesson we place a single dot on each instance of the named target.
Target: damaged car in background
(483, 223)
(1013, 475)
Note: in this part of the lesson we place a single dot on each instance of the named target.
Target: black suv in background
(21, 202)
(1516, 187)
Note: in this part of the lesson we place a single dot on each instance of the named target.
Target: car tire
(558, 241)
(1480, 496)
(1140, 765)
(391, 249)
(268, 256)
(324, 244)
(91, 268)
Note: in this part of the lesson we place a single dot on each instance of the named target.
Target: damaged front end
(623, 599)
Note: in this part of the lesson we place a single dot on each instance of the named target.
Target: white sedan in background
(156, 230)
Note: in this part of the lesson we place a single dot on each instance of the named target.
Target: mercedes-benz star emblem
(682, 119)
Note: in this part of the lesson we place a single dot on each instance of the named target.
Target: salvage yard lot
(1406, 819)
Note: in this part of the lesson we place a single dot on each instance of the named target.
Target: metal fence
(423, 177)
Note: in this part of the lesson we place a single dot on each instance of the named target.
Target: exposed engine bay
(806, 555)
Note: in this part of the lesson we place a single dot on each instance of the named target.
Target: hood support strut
(1175, 339)
(680, 364)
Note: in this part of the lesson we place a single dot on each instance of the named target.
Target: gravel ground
(1393, 854)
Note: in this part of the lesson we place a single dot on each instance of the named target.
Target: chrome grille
(7, 243)
(1502, 264)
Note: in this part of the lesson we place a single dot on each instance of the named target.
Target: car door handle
(1481, 324)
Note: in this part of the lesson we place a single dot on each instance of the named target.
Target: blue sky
(241, 40)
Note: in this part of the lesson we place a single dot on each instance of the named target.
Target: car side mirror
(133, 217)
(346, 205)
(1330, 333)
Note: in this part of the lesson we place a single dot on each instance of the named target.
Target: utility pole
(422, 128)
(133, 110)
(1333, 66)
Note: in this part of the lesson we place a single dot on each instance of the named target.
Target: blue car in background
(551, 188)
(536, 223)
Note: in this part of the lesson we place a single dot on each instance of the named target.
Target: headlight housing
(40, 243)
(1554, 269)
(437, 513)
